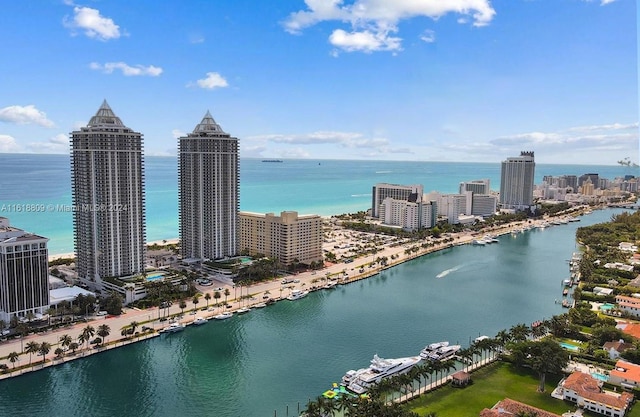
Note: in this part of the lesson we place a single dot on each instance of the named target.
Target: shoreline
(309, 280)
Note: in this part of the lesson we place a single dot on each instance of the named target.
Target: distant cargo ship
(272, 160)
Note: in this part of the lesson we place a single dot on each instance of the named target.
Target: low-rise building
(289, 237)
(614, 349)
(625, 374)
(586, 392)
(630, 305)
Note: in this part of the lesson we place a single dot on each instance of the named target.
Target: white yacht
(223, 316)
(297, 294)
(363, 379)
(199, 320)
(260, 305)
(444, 353)
(243, 310)
(175, 327)
(428, 350)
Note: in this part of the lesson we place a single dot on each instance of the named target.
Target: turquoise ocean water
(322, 187)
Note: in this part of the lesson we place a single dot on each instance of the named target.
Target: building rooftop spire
(208, 125)
(105, 116)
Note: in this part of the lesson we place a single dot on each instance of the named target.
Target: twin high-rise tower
(108, 199)
(107, 167)
(209, 201)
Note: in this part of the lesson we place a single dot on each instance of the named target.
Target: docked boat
(175, 327)
(260, 305)
(361, 380)
(478, 242)
(444, 353)
(223, 316)
(297, 294)
(330, 284)
(428, 350)
(243, 310)
(199, 320)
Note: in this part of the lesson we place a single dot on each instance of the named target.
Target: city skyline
(424, 80)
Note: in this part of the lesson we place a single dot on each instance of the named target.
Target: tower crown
(105, 116)
(207, 125)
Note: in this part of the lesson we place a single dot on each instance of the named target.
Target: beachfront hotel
(24, 275)
(289, 237)
(516, 182)
(394, 191)
(208, 177)
(108, 199)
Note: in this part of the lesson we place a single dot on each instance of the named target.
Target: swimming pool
(569, 346)
(606, 306)
(155, 276)
(600, 377)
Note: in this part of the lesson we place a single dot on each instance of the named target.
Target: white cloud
(177, 133)
(24, 115)
(372, 21)
(93, 24)
(365, 41)
(56, 144)
(211, 81)
(126, 69)
(8, 144)
(428, 36)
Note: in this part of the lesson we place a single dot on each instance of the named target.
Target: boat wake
(448, 271)
(360, 195)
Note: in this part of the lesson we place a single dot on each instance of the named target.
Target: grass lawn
(490, 385)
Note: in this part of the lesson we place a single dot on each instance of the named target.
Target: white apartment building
(409, 215)
(516, 182)
(483, 205)
(289, 237)
(24, 276)
(395, 191)
(108, 199)
(475, 186)
(208, 192)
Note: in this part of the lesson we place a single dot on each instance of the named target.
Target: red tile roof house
(509, 408)
(625, 374)
(587, 393)
(614, 349)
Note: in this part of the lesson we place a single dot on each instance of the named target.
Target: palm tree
(207, 297)
(45, 347)
(65, 340)
(217, 296)
(87, 334)
(183, 305)
(103, 331)
(226, 294)
(73, 346)
(519, 332)
(32, 347)
(59, 352)
(195, 301)
(13, 358)
(133, 326)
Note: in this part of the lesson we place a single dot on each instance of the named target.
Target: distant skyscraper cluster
(209, 201)
(107, 169)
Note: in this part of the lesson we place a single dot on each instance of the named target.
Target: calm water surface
(285, 354)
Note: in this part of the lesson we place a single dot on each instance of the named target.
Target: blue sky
(432, 80)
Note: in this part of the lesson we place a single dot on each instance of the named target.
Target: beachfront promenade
(309, 280)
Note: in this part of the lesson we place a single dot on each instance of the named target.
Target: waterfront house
(586, 392)
(509, 407)
(625, 374)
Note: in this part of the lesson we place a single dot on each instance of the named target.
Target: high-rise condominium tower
(24, 275)
(209, 201)
(516, 182)
(108, 197)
